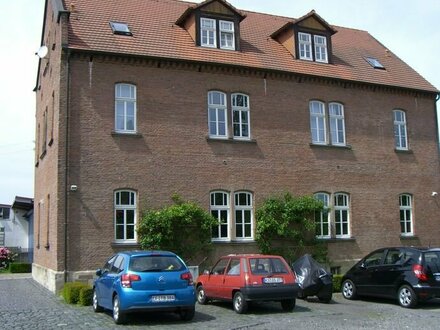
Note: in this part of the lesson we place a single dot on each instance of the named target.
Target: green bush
(20, 267)
(337, 279)
(85, 296)
(71, 291)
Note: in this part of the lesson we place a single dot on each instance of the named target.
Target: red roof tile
(155, 34)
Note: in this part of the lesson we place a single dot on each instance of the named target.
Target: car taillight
(187, 277)
(420, 272)
(126, 279)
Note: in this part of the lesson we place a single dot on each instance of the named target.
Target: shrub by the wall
(20, 267)
(71, 291)
(85, 296)
(337, 279)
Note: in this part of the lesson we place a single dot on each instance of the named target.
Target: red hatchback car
(242, 278)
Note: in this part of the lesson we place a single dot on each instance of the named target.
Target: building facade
(224, 107)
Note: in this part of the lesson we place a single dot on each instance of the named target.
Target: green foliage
(183, 228)
(286, 224)
(337, 279)
(71, 291)
(19, 267)
(85, 296)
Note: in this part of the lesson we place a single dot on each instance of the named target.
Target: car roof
(252, 255)
(417, 248)
(136, 253)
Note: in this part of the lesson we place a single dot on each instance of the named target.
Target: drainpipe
(437, 120)
(66, 170)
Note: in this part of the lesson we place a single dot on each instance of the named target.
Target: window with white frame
(305, 46)
(337, 123)
(342, 215)
(220, 210)
(240, 115)
(125, 215)
(125, 108)
(217, 115)
(406, 218)
(227, 36)
(322, 218)
(318, 123)
(320, 49)
(208, 34)
(400, 135)
(243, 215)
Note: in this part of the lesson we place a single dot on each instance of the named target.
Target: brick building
(224, 107)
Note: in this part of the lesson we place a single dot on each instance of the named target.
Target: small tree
(286, 224)
(183, 228)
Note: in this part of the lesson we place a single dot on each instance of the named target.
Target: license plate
(270, 280)
(163, 298)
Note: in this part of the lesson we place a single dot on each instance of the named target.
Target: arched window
(337, 123)
(317, 122)
(400, 135)
(244, 219)
(125, 108)
(217, 115)
(322, 218)
(240, 116)
(125, 215)
(220, 210)
(342, 215)
(406, 217)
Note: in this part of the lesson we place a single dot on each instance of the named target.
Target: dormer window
(320, 49)
(312, 51)
(305, 46)
(212, 30)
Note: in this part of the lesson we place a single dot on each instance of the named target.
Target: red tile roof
(155, 34)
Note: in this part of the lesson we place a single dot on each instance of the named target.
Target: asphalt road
(24, 304)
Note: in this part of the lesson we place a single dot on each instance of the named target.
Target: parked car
(313, 279)
(134, 281)
(407, 274)
(243, 278)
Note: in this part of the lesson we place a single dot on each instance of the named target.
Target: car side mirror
(206, 272)
(98, 272)
(362, 265)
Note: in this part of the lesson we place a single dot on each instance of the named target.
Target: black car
(407, 274)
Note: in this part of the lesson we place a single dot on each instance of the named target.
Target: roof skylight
(375, 63)
(120, 28)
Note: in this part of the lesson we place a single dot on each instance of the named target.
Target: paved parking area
(24, 304)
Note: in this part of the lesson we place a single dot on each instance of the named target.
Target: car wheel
(187, 314)
(288, 305)
(95, 303)
(239, 303)
(118, 316)
(202, 299)
(407, 297)
(349, 289)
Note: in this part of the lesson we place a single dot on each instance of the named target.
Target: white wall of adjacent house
(16, 230)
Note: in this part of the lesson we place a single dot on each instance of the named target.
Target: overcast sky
(410, 29)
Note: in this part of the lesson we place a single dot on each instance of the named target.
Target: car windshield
(155, 264)
(432, 260)
(267, 266)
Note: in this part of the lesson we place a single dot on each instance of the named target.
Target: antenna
(42, 52)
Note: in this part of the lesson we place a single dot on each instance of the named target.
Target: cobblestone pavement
(24, 304)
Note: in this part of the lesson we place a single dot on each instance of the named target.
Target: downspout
(66, 170)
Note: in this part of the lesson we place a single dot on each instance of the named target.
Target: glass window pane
(119, 217)
(120, 232)
(130, 232)
(129, 216)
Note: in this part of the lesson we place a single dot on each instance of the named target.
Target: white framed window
(342, 215)
(208, 33)
(305, 46)
(320, 49)
(400, 134)
(406, 215)
(337, 123)
(243, 215)
(227, 35)
(220, 210)
(322, 218)
(217, 115)
(318, 122)
(240, 116)
(125, 215)
(125, 108)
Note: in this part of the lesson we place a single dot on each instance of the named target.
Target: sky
(410, 29)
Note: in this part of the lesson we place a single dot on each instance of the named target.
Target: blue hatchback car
(136, 281)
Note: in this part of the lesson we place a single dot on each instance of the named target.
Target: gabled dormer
(213, 24)
(307, 38)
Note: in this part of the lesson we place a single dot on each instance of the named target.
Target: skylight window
(375, 63)
(120, 28)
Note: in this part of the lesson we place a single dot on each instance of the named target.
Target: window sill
(125, 244)
(337, 240)
(403, 151)
(408, 237)
(248, 241)
(230, 140)
(330, 146)
(133, 135)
